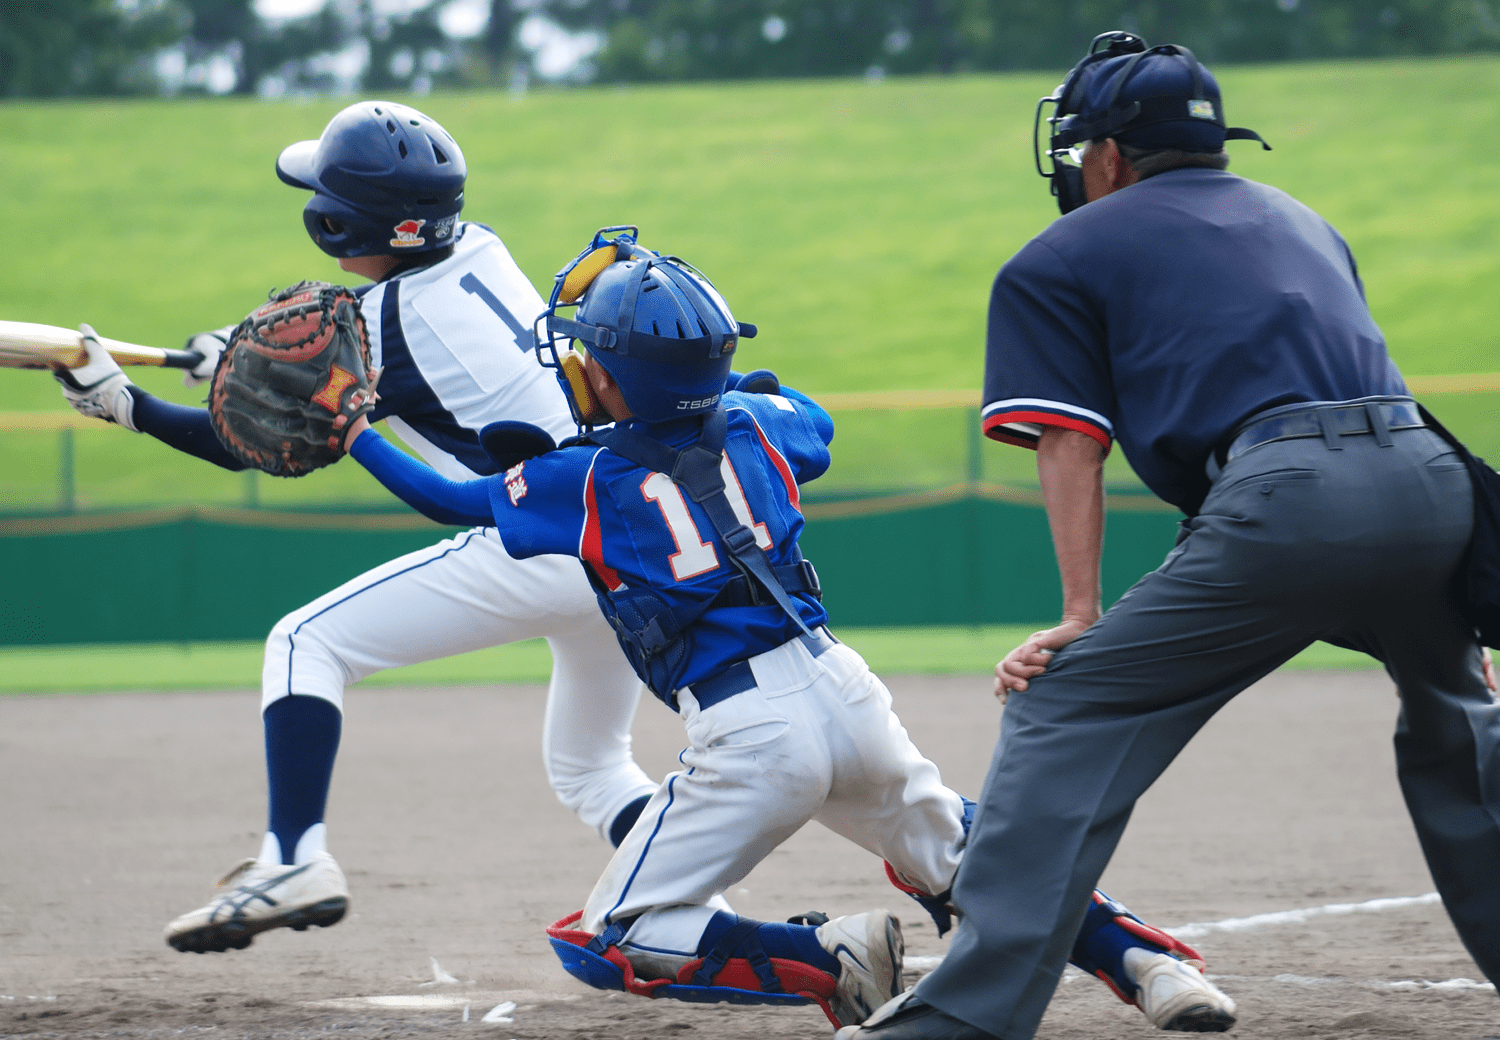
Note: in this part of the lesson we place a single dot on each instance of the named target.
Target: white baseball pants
(468, 593)
(815, 740)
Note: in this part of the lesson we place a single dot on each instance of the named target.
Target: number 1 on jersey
(694, 556)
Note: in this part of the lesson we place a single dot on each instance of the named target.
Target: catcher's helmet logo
(408, 233)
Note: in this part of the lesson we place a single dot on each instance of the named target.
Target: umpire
(1217, 329)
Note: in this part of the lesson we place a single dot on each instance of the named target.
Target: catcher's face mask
(554, 334)
(653, 322)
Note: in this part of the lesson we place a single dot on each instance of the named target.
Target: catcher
(447, 323)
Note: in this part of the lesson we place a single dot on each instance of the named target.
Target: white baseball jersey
(454, 345)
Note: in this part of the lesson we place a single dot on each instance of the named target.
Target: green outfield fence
(974, 550)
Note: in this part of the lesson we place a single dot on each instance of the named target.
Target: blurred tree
(406, 52)
(258, 48)
(227, 27)
(716, 39)
(499, 39)
(62, 47)
(50, 48)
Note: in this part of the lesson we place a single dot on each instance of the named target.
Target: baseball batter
(685, 514)
(1217, 329)
(449, 317)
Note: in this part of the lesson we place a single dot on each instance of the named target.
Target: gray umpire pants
(1295, 543)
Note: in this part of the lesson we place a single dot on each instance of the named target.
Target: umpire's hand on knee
(1031, 658)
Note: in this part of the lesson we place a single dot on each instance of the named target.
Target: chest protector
(655, 635)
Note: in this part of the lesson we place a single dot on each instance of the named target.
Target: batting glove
(98, 388)
(210, 345)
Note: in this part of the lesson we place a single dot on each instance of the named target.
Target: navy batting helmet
(655, 323)
(385, 179)
(1158, 97)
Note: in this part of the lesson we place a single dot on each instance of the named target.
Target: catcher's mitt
(295, 375)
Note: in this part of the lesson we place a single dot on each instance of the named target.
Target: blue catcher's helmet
(655, 324)
(385, 178)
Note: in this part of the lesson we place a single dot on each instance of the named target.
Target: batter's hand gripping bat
(24, 344)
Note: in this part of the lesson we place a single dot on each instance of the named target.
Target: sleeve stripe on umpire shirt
(1031, 410)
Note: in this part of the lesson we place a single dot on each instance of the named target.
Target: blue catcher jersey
(634, 527)
(1165, 314)
(454, 344)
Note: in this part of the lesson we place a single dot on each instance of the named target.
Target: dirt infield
(117, 811)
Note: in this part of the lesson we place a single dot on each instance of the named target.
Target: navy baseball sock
(792, 942)
(302, 739)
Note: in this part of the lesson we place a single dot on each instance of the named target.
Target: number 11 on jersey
(694, 556)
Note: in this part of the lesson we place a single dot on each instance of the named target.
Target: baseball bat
(24, 344)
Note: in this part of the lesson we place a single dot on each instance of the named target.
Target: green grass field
(890, 651)
(859, 224)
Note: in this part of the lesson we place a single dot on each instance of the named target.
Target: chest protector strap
(653, 634)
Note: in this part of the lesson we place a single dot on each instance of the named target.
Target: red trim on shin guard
(798, 979)
(612, 954)
(1103, 976)
(1176, 947)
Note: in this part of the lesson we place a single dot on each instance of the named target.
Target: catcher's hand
(294, 377)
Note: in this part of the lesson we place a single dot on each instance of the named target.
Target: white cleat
(257, 897)
(1174, 995)
(869, 950)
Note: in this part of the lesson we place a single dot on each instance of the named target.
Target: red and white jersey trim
(793, 492)
(591, 542)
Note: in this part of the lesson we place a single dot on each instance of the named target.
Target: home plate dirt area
(1277, 844)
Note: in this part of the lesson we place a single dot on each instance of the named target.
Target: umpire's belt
(738, 677)
(1329, 420)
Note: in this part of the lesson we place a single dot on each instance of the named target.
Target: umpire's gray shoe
(909, 1017)
(256, 897)
(1174, 995)
(869, 950)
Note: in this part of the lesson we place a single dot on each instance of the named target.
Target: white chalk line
(1199, 929)
(1194, 930)
(447, 1001)
(1244, 924)
(1384, 985)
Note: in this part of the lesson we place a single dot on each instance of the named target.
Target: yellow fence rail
(968, 478)
(845, 401)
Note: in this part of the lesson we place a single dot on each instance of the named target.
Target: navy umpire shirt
(1166, 313)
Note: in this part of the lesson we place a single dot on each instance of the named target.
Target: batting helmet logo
(408, 234)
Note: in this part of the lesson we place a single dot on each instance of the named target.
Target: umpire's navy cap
(1173, 87)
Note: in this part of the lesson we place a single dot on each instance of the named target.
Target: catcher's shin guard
(940, 907)
(1108, 931)
(720, 977)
